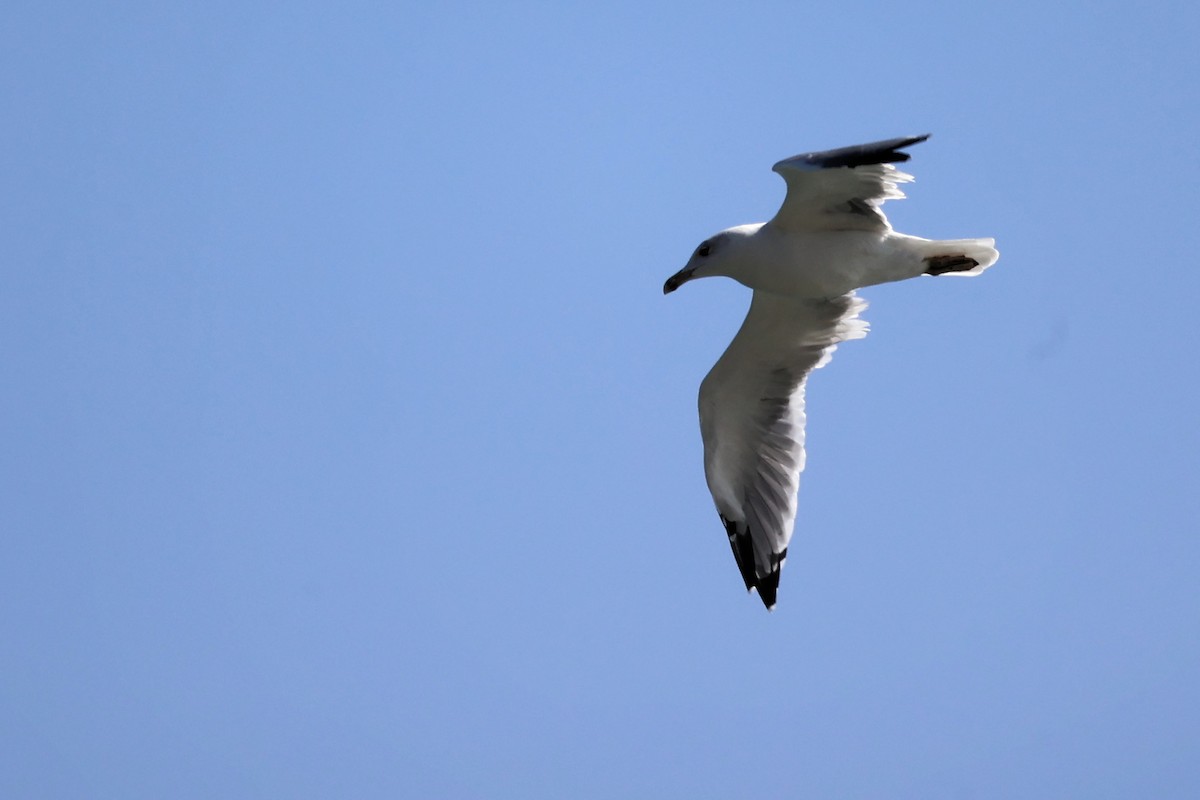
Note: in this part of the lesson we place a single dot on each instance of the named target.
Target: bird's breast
(813, 264)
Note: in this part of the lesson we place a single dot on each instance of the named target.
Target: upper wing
(752, 422)
(842, 189)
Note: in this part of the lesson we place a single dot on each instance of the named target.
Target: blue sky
(350, 446)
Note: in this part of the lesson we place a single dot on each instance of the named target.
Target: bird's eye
(703, 250)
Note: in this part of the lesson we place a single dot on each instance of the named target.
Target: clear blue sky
(350, 446)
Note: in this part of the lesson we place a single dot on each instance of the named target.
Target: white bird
(829, 238)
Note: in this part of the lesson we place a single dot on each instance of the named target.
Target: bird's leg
(940, 265)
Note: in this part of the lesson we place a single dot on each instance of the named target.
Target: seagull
(829, 239)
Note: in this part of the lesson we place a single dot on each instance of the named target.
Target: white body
(827, 240)
(831, 263)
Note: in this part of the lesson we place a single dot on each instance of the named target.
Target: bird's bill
(678, 279)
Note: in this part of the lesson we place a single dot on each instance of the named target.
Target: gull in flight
(829, 238)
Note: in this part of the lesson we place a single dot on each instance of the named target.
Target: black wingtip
(887, 151)
(742, 546)
(743, 551)
(768, 588)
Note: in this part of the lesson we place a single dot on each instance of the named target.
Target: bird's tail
(960, 256)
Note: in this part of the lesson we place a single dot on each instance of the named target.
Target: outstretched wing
(837, 190)
(752, 422)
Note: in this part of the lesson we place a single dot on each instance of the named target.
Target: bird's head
(716, 255)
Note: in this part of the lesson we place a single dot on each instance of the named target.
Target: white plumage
(829, 238)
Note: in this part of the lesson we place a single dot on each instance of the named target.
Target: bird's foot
(940, 265)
